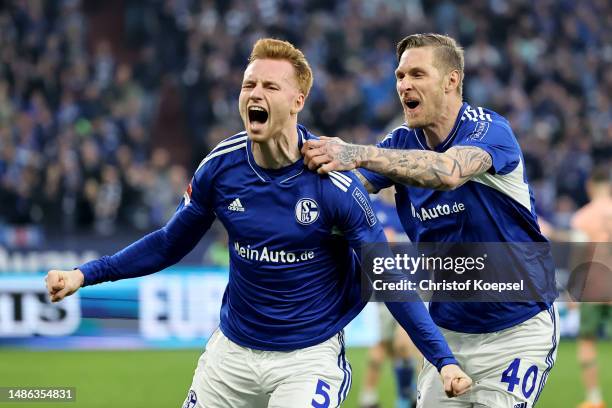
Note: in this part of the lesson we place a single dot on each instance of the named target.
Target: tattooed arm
(440, 171)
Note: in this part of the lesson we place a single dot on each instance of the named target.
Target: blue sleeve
(164, 247)
(497, 139)
(352, 210)
(415, 319)
(377, 180)
(359, 224)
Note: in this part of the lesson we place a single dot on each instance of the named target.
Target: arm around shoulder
(429, 169)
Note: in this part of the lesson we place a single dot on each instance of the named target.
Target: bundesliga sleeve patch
(187, 195)
(365, 206)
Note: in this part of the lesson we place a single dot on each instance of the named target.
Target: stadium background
(107, 107)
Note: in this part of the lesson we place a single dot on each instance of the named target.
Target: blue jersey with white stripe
(497, 206)
(294, 276)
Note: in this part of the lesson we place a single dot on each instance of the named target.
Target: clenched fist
(63, 283)
(456, 382)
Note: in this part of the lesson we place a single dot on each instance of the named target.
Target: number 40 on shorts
(510, 376)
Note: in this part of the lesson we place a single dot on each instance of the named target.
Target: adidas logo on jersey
(236, 205)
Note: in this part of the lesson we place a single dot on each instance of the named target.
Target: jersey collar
(284, 173)
(420, 135)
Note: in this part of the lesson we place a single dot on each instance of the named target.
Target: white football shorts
(232, 376)
(509, 367)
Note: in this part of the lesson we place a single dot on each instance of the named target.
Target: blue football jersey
(497, 206)
(294, 278)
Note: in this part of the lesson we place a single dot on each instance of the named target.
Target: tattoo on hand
(347, 154)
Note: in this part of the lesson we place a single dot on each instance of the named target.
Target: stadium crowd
(76, 119)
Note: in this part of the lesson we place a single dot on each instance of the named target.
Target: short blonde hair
(270, 48)
(448, 54)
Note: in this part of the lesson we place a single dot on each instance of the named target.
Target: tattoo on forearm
(430, 169)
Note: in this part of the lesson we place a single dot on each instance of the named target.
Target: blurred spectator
(77, 110)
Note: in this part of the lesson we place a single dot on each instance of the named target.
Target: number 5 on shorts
(510, 376)
(322, 388)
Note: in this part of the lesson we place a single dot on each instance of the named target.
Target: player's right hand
(63, 283)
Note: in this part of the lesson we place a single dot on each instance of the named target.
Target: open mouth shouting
(411, 104)
(258, 117)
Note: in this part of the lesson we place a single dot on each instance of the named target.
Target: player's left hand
(331, 154)
(456, 382)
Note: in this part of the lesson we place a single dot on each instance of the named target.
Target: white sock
(594, 395)
(368, 397)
